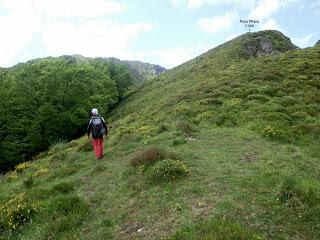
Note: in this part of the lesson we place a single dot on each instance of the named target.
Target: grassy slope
(203, 112)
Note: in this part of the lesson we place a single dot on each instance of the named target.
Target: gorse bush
(167, 170)
(278, 132)
(22, 166)
(17, 211)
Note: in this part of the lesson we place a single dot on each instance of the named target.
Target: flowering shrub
(16, 211)
(22, 166)
(277, 133)
(12, 175)
(41, 171)
(167, 170)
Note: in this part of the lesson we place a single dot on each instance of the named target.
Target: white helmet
(94, 111)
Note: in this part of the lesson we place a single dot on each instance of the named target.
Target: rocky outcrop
(266, 42)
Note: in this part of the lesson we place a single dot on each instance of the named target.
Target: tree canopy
(48, 100)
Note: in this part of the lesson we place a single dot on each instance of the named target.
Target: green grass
(246, 129)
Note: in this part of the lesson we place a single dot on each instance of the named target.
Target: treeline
(48, 100)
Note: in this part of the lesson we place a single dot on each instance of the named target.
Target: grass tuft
(150, 156)
(216, 230)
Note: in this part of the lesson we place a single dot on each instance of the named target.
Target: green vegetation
(241, 134)
(48, 100)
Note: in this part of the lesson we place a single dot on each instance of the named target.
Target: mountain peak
(265, 42)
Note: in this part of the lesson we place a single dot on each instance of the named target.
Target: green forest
(45, 101)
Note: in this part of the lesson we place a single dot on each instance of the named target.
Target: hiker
(97, 126)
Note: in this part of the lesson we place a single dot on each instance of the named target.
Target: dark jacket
(89, 128)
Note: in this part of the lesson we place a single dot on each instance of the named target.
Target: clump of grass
(17, 211)
(295, 190)
(216, 229)
(63, 187)
(178, 141)
(85, 145)
(167, 170)
(67, 213)
(69, 204)
(29, 181)
(150, 156)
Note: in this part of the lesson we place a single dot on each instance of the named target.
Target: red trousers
(98, 147)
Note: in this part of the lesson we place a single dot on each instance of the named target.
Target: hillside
(140, 70)
(224, 146)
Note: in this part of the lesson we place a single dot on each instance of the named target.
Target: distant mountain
(318, 43)
(140, 70)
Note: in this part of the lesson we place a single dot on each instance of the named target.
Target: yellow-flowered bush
(22, 166)
(16, 211)
(41, 171)
(167, 170)
(12, 175)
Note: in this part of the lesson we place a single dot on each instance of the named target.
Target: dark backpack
(97, 127)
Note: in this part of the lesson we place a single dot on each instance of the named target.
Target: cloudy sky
(165, 32)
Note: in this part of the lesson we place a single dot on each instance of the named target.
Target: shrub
(183, 110)
(11, 175)
(149, 156)
(167, 170)
(16, 211)
(217, 229)
(185, 127)
(22, 166)
(258, 97)
(41, 171)
(280, 133)
(205, 116)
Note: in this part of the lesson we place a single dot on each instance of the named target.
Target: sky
(164, 32)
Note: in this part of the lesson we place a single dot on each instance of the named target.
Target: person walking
(97, 127)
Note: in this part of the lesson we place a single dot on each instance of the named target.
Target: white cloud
(303, 41)
(266, 8)
(218, 23)
(172, 57)
(76, 8)
(270, 24)
(195, 4)
(64, 27)
(315, 7)
(92, 39)
(18, 27)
